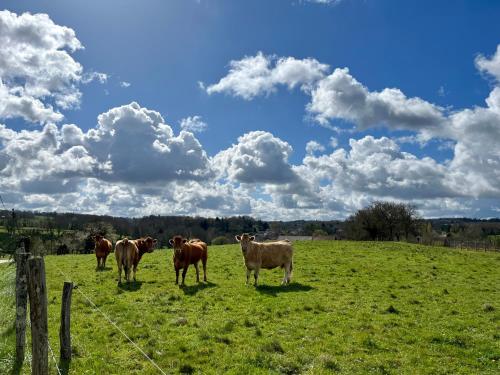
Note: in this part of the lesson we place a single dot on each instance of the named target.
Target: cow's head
(244, 240)
(177, 242)
(97, 238)
(147, 245)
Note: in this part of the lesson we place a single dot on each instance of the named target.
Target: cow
(186, 253)
(267, 255)
(102, 249)
(128, 253)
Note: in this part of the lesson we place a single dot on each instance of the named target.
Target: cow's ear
(171, 242)
(252, 238)
(184, 240)
(238, 238)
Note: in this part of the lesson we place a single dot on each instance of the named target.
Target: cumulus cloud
(341, 96)
(193, 124)
(125, 84)
(258, 157)
(260, 75)
(130, 144)
(38, 75)
(334, 142)
(313, 146)
(335, 96)
(491, 65)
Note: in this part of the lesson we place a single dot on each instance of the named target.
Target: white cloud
(35, 64)
(313, 146)
(490, 65)
(260, 75)
(334, 142)
(258, 157)
(193, 124)
(325, 2)
(341, 96)
(94, 76)
(125, 84)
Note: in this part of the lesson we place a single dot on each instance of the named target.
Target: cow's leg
(204, 263)
(184, 271)
(119, 273)
(104, 261)
(290, 268)
(256, 275)
(248, 275)
(176, 276)
(135, 270)
(286, 278)
(127, 273)
(197, 272)
(98, 263)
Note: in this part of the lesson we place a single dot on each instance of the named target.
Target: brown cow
(102, 249)
(186, 253)
(128, 254)
(267, 255)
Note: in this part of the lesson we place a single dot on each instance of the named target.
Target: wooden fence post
(38, 316)
(21, 302)
(64, 331)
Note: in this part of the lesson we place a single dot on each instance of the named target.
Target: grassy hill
(353, 307)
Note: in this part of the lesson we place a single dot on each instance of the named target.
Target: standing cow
(102, 249)
(128, 253)
(186, 253)
(267, 255)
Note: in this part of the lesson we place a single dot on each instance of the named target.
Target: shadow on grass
(105, 269)
(274, 290)
(64, 366)
(193, 289)
(132, 286)
(10, 330)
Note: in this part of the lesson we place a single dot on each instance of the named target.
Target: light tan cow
(267, 255)
(128, 253)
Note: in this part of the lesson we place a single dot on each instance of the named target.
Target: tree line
(63, 233)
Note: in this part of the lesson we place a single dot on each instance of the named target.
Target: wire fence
(478, 245)
(110, 321)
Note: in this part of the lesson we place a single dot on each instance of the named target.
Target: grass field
(353, 308)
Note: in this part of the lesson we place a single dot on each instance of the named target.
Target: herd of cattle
(257, 255)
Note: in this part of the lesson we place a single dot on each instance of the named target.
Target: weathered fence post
(38, 316)
(21, 302)
(64, 331)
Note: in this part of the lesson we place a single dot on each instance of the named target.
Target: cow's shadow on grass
(193, 289)
(132, 286)
(274, 290)
(105, 269)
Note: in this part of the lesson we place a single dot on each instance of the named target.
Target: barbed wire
(113, 323)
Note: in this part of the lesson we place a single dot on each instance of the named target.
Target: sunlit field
(352, 307)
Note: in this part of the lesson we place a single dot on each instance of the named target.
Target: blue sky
(425, 49)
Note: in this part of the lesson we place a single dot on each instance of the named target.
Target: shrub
(221, 240)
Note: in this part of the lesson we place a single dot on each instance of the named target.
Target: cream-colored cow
(267, 255)
(128, 254)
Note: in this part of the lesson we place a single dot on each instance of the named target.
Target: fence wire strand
(113, 324)
(53, 357)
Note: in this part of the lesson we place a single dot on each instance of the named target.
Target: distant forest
(69, 232)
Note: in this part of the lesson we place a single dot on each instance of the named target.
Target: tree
(383, 221)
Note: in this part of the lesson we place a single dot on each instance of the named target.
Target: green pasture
(352, 308)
